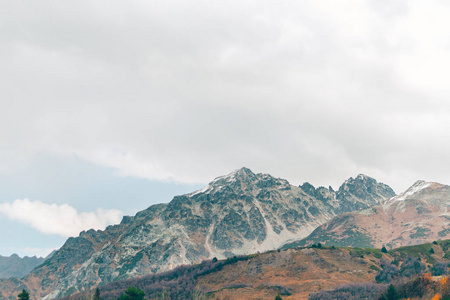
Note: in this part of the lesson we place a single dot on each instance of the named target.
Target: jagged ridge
(418, 215)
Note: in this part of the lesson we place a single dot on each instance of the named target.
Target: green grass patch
(422, 251)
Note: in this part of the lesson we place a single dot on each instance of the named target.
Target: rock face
(418, 215)
(240, 213)
(15, 266)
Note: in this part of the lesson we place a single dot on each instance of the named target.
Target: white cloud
(63, 220)
(189, 90)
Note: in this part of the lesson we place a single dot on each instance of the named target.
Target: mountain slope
(418, 215)
(357, 273)
(240, 213)
(293, 272)
(15, 266)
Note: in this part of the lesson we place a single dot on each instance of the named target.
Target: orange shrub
(436, 297)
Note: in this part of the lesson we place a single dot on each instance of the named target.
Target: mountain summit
(417, 190)
(240, 213)
(361, 192)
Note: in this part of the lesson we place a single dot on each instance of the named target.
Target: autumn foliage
(436, 297)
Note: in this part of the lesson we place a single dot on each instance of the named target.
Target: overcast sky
(110, 106)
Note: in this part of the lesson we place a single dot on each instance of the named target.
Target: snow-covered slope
(411, 191)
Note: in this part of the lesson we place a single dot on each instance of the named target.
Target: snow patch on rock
(415, 188)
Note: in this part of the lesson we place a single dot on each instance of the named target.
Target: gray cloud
(187, 91)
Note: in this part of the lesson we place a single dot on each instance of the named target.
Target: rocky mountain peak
(242, 174)
(363, 183)
(427, 192)
(363, 187)
(308, 188)
(242, 180)
(361, 178)
(237, 178)
(414, 189)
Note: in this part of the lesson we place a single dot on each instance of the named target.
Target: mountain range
(240, 213)
(15, 266)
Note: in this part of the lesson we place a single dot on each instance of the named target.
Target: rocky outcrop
(240, 213)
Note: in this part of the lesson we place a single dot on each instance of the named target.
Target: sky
(108, 107)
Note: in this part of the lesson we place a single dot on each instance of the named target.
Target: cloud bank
(189, 90)
(63, 220)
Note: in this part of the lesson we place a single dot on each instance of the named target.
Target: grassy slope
(299, 271)
(296, 271)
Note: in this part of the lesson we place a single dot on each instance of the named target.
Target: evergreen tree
(384, 250)
(133, 293)
(392, 293)
(24, 295)
(97, 294)
(278, 297)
